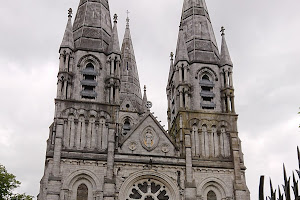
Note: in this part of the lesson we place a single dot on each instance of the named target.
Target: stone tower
(201, 111)
(105, 144)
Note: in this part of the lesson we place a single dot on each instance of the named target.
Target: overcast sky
(264, 42)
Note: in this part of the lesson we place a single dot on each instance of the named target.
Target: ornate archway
(149, 185)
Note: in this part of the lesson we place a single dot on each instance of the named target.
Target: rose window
(148, 190)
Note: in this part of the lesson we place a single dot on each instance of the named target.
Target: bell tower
(201, 111)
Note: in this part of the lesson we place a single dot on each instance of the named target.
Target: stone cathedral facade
(105, 144)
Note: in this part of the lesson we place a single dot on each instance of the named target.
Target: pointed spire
(68, 39)
(130, 83)
(145, 99)
(92, 26)
(181, 50)
(114, 46)
(200, 39)
(225, 56)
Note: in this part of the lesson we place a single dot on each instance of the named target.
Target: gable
(127, 105)
(148, 138)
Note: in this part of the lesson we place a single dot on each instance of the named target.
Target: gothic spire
(181, 50)
(225, 56)
(114, 46)
(92, 26)
(130, 84)
(68, 40)
(199, 36)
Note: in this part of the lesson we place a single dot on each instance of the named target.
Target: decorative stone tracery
(149, 185)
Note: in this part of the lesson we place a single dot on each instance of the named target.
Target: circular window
(148, 189)
(127, 106)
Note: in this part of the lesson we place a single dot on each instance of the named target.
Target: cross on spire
(127, 19)
(70, 12)
(222, 30)
(115, 18)
(172, 55)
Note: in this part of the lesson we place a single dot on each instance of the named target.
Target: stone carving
(149, 139)
(132, 146)
(149, 190)
(165, 148)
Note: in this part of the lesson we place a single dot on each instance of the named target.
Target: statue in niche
(148, 141)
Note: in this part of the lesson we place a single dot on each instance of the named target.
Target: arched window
(207, 92)
(89, 82)
(82, 192)
(205, 77)
(211, 195)
(126, 126)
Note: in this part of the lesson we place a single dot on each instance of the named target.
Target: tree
(8, 183)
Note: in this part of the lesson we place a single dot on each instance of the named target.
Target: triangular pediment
(148, 138)
(128, 105)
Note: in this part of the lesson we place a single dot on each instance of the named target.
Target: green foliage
(8, 183)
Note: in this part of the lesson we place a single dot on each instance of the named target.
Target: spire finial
(115, 18)
(145, 88)
(127, 19)
(70, 12)
(172, 55)
(222, 30)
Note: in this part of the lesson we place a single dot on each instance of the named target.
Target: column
(185, 74)
(232, 104)
(58, 147)
(187, 100)
(180, 74)
(61, 62)
(111, 94)
(228, 104)
(67, 62)
(181, 98)
(226, 78)
(230, 79)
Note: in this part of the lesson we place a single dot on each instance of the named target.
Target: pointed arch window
(89, 82)
(126, 126)
(211, 195)
(82, 192)
(207, 93)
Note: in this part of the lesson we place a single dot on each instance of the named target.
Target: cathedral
(104, 142)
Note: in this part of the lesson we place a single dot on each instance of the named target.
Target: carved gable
(148, 138)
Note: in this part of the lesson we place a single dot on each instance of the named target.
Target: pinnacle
(114, 46)
(68, 40)
(225, 56)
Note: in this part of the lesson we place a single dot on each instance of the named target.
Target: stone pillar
(222, 80)
(187, 100)
(226, 78)
(232, 104)
(117, 97)
(111, 65)
(180, 74)
(109, 182)
(71, 63)
(57, 147)
(67, 62)
(181, 98)
(190, 185)
(228, 103)
(230, 79)
(61, 62)
(185, 74)
(111, 94)
(64, 95)
(59, 85)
